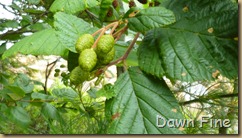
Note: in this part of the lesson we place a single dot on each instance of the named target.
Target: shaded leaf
(149, 56)
(140, 98)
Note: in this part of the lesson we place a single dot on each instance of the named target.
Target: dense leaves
(180, 45)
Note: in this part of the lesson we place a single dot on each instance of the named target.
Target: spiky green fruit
(78, 76)
(105, 59)
(87, 59)
(85, 41)
(105, 44)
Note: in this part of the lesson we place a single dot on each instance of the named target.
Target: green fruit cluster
(77, 75)
(103, 54)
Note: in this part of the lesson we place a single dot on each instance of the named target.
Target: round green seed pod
(78, 76)
(85, 41)
(105, 44)
(87, 59)
(105, 59)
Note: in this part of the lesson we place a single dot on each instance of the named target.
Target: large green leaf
(140, 98)
(41, 43)
(199, 45)
(150, 18)
(19, 116)
(70, 28)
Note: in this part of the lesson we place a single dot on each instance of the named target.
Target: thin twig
(48, 71)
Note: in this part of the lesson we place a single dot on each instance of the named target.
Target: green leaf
(16, 93)
(41, 96)
(106, 91)
(148, 56)
(70, 28)
(72, 6)
(35, 2)
(33, 11)
(49, 111)
(39, 26)
(19, 116)
(198, 46)
(140, 98)
(41, 43)
(65, 93)
(68, 6)
(24, 82)
(10, 24)
(147, 19)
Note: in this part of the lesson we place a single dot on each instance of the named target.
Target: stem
(121, 32)
(47, 73)
(101, 34)
(114, 27)
(103, 30)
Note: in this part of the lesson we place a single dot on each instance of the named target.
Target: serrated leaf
(147, 19)
(65, 93)
(149, 56)
(199, 44)
(40, 43)
(140, 98)
(70, 28)
(19, 116)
